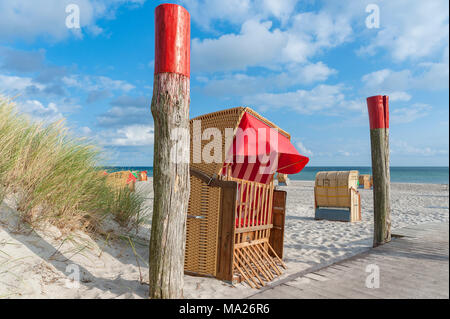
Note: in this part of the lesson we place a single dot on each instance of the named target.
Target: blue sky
(306, 65)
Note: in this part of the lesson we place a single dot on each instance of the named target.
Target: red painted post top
(378, 107)
(172, 39)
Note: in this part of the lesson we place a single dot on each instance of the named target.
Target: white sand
(38, 264)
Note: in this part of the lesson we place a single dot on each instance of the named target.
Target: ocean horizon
(399, 174)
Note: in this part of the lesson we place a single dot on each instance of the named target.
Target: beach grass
(54, 175)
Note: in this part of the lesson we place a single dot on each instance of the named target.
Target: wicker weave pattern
(202, 233)
(220, 120)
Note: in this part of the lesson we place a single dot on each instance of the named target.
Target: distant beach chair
(283, 179)
(143, 176)
(235, 221)
(336, 197)
(121, 180)
(365, 181)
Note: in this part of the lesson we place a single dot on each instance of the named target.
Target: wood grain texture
(170, 109)
(226, 234)
(410, 267)
(276, 239)
(379, 139)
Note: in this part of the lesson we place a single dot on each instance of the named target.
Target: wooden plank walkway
(414, 265)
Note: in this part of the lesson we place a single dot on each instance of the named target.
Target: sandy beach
(40, 263)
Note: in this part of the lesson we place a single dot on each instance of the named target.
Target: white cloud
(303, 150)
(259, 44)
(132, 135)
(320, 98)
(387, 80)
(96, 83)
(411, 29)
(428, 76)
(39, 112)
(403, 148)
(399, 96)
(410, 113)
(255, 45)
(207, 12)
(313, 72)
(281, 10)
(30, 19)
(85, 130)
(241, 84)
(11, 85)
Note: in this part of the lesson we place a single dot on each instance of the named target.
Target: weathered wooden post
(378, 107)
(170, 109)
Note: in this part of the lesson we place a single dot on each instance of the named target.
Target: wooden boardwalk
(414, 265)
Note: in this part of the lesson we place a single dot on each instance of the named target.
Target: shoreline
(399, 174)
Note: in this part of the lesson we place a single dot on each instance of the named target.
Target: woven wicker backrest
(221, 120)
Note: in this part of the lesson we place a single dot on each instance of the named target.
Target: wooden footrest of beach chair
(254, 264)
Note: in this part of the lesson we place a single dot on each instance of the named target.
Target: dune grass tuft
(54, 176)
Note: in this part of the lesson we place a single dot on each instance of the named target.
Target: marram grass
(54, 176)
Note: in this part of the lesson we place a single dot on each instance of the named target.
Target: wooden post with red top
(170, 110)
(378, 107)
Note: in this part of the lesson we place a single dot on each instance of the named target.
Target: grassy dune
(54, 177)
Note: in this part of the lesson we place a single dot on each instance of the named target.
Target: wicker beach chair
(235, 222)
(365, 181)
(282, 179)
(119, 180)
(336, 197)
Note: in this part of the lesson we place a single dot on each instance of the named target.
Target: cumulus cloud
(12, 85)
(430, 76)
(255, 45)
(126, 110)
(96, 83)
(39, 112)
(240, 84)
(410, 29)
(22, 85)
(410, 113)
(205, 13)
(259, 44)
(320, 98)
(130, 135)
(400, 147)
(399, 96)
(46, 18)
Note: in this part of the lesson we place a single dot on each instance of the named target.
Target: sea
(423, 175)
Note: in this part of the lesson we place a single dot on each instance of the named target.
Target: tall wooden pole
(170, 109)
(378, 107)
